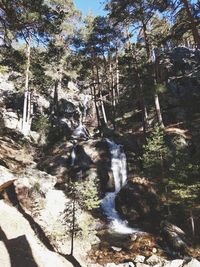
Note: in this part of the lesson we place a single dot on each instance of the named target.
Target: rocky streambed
(39, 197)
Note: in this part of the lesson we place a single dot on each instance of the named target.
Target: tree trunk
(55, 98)
(141, 97)
(29, 111)
(57, 88)
(156, 97)
(103, 109)
(25, 127)
(158, 110)
(96, 107)
(117, 74)
(101, 98)
(113, 93)
(192, 223)
(146, 41)
(194, 28)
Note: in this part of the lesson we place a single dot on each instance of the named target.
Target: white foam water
(119, 169)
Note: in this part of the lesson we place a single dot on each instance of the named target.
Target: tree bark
(141, 97)
(156, 97)
(113, 95)
(25, 127)
(101, 99)
(96, 106)
(146, 41)
(194, 28)
(117, 73)
(29, 110)
(158, 110)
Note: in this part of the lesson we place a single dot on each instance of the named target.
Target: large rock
(192, 263)
(137, 200)
(175, 263)
(11, 119)
(19, 244)
(155, 260)
(6, 178)
(174, 237)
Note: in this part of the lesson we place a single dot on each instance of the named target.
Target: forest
(99, 132)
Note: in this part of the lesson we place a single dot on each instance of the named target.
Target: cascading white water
(118, 164)
(119, 169)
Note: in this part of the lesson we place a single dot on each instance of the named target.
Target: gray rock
(139, 264)
(192, 263)
(118, 265)
(174, 263)
(155, 260)
(139, 259)
(174, 236)
(5, 175)
(94, 265)
(11, 120)
(110, 265)
(116, 248)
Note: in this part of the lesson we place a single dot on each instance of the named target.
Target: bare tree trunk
(103, 109)
(156, 97)
(26, 92)
(194, 28)
(101, 98)
(55, 98)
(29, 113)
(113, 92)
(117, 74)
(158, 110)
(142, 98)
(146, 41)
(96, 107)
(192, 223)
(57, 88)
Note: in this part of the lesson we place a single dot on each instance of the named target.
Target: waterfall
(118, 164)
(119, 169)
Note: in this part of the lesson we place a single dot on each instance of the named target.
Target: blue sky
(96, 6)
(86, 6)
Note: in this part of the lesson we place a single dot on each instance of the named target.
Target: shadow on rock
(19, 251)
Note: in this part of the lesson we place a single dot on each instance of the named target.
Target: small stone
(154, 260)
(139, 259)
(110, 265)
(94, 265)
(139, 264)
(123, 265)
(154, 250)
(192, 263)
(133, 237)
(117, 249)
(174, 263)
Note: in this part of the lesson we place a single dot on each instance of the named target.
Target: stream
(119, 169)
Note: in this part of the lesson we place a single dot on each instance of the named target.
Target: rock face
(137, 200)
(174, 237)
(19, 246)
